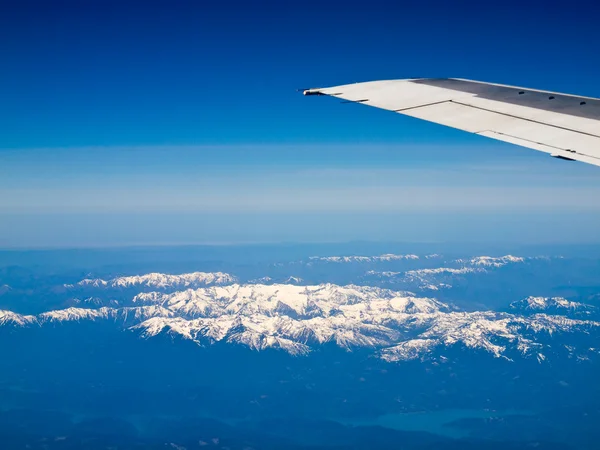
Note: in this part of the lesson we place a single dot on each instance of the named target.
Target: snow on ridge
(551, 324)
(11, 318)
(545, 303)
(383, 274)
(494, 333)
(409, 350)
(303, 301)
(352, 259)
(397, 325)
(261, 280)
(435, 279)
(427, 279)
(89, 282)
(76, 314)
(293, 280)
(478, 264)
(160, 280)
(410, 275)
(482, 261)
(262, 316)
(490, 261)
(443, 270)
(146, 312)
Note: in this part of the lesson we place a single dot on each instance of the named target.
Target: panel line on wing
(524, 118)
(482, 132)
(539, 143)
(422, 106)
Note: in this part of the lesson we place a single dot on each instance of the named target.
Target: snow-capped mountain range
(125, 314)
(489, 261)
(160, 281)
(554, 305)
(426, 279)
(484, 261)
(363, 259)
(441, 277)
(395, 325)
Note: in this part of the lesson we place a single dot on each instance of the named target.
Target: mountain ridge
(396, 325)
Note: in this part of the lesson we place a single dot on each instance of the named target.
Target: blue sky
(180, 122)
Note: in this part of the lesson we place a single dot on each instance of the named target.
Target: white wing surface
(565, 126)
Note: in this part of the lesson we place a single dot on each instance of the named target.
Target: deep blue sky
(179, 122)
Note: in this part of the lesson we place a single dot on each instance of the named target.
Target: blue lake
(437, 422)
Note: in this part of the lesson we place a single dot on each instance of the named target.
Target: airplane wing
(565, 126)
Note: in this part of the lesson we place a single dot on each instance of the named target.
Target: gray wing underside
(565, 126)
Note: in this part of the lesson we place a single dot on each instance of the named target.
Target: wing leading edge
(565, 126)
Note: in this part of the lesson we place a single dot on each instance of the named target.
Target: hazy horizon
(140, 123)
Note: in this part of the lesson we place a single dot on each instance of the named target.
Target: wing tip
(313, 91)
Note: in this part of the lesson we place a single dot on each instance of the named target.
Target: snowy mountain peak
(11, 318)
(490, 261)
(293, 280)
(91, 282)
(542, 303)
